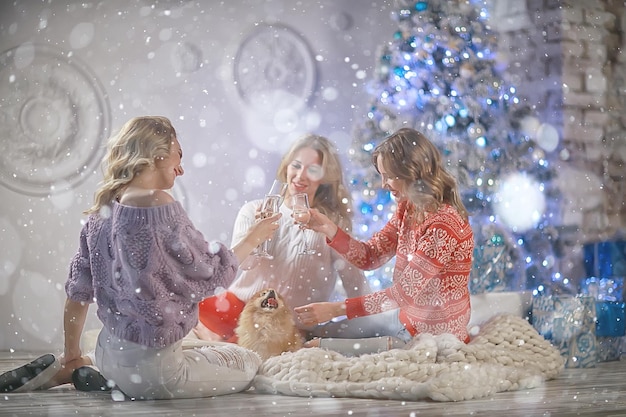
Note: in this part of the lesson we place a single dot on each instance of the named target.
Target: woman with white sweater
(311, 166)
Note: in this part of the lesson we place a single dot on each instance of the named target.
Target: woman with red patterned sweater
(431, 238)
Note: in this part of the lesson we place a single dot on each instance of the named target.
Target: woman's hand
(264, 229)
(258, 215)
(316, 313)
(321, 224)
(258, 233)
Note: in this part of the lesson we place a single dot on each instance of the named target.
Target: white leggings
(204, 370)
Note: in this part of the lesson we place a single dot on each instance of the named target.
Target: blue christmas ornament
(497, 239)
(421, 6)
(383, 197)
(399, 71)
(366, 208)
(495, 266)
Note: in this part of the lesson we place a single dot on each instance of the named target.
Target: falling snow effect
(38, 231)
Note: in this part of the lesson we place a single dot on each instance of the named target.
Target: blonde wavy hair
(332, 197)
(408, 155)
(135, 147)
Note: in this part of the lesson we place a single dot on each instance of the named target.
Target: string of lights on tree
(440, 74)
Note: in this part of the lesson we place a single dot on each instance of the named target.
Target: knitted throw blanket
(507, 355)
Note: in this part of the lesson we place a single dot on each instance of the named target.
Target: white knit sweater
(300, 279)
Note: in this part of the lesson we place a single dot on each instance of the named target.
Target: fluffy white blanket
(507, 354)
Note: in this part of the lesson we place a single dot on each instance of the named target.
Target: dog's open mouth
(270, 301)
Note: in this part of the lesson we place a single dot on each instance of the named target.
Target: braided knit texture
(507, 355)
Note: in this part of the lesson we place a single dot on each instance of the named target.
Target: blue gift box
(604, 289)
(611, 319)
(570, 323)
(542, 315)
(605, 259)
(610, 348)
(580, 351)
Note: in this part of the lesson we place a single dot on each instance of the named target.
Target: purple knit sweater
(147, 268)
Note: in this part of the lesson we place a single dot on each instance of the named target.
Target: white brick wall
(568, 57)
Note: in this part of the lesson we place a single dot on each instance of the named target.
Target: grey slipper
(31, 376)
(87, 378)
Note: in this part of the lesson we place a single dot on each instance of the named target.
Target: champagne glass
(302, 215)
(271, 205)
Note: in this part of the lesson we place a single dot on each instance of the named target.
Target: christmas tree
(440, 74)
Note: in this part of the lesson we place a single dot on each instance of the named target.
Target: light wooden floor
(597, 391)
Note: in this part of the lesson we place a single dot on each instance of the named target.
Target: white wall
(173, 58)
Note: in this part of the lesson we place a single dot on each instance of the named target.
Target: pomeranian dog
(266, 325)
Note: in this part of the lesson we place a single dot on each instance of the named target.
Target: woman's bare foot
(64, 375)
(203, 333)
(312, 343)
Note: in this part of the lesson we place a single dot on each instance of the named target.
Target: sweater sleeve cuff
(341, 241)
(354, 308)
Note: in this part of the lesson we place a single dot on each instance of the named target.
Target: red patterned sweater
(430, 278)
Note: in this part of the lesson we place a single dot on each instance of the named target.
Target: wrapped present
(580, 351)
(570, 323)
(605, 259)
(610, 348)
(610, 319)
(542, 314)
(603, 289)
(610, 316)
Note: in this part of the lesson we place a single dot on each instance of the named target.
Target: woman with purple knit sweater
(147, 267)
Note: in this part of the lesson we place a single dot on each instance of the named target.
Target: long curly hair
(408, 155)
(134, 148)
(332, 197)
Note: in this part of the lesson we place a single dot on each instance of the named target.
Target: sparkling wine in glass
(301, 216)
(271, 205)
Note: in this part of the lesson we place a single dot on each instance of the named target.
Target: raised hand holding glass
(270, 206)
(302, 215)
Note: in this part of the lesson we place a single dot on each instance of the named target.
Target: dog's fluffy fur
(266, 325)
